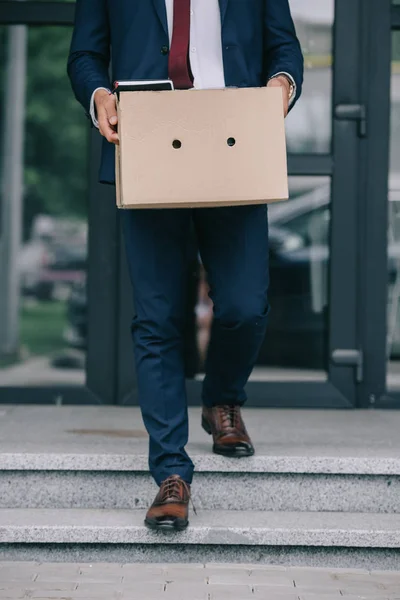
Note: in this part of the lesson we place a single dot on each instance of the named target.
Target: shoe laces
(174, 488)
(229, 415)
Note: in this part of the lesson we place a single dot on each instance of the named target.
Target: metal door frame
(381, 19)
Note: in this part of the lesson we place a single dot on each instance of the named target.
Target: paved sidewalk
(191, 582)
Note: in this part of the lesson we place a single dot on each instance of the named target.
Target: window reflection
(295, 344)
(393, 325)
(309, 126)
(50, 265)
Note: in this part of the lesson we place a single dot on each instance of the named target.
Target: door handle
(350, 358)
(353, 112)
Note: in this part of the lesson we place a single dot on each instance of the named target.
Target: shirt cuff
(292, 81)
(93, 107)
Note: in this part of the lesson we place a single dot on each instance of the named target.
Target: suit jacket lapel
(223, 6)
(159, 5)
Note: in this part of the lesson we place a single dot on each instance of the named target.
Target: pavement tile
(185, 591)
(371, 579)
(355, 596)
(319, 589)
(51, 585)
(129, 569)
(327, 570)
(261, 567)
(103, 567)
(380, 573)
(143, 579)
(188, 574)
(100, 588)
(367, 587)
(101, 577)
(67, 568)
(79, 594)
(191, 566)
(142, 589)
(272, 578)
(230, 592)
(188, 582)
(229, 576)
(14, 574)
(52, 578)
(132, 574)
(268, 593)
(10, 584)
(319, 582)
(116, 581)
(245, 566)
(272, 595)
(251, 577)
(327, 597)
(88, 597)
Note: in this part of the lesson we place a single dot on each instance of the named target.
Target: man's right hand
(107, 115)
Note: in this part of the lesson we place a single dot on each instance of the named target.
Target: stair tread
(259, 528)
(317, 463)
(287, 441)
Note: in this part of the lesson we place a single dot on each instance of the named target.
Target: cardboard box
(199, 148)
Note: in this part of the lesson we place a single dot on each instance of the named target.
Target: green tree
(56, 148)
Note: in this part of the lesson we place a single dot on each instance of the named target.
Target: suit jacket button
(164, 50)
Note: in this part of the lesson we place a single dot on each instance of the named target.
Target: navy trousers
(233, 243)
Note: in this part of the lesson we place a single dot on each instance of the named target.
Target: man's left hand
(282, 82)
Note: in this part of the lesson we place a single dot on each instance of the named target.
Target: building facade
(334, 333)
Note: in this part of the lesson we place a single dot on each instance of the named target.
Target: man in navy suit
(200, 44)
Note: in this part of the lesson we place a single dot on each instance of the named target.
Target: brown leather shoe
(226, 425)
(170, 509)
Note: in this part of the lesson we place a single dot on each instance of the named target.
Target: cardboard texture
(199, 148)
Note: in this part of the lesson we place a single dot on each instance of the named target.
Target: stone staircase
(323, 489)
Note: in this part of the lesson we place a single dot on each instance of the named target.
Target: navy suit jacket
(258, 40)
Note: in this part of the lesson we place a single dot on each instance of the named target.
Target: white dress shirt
(205, 50)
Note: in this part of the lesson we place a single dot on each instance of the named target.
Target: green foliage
(56, 144)
(42, 327)
(56, 129)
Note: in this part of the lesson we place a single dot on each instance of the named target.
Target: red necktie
(178, 66)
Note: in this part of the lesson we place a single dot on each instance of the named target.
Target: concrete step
(96, 457)
(281, 487)
(27, 532)
(249, 528)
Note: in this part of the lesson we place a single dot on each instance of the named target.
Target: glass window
(393, 337)
(295, 345)
(43, 255)
(309, 127)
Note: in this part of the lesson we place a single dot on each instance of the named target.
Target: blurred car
(75, 333)
(299, 264)
(53, 258)
(49, 270)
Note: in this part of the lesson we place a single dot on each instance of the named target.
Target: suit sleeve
(89, 57)
(283, 51)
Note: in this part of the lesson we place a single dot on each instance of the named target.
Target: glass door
(58, 243)
(311, 356)
(383, 221)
